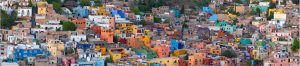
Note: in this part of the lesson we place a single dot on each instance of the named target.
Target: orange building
(107, 35)
(134, 42)
(80, 23)
(162, 50)
(215, 49)
(196, 59)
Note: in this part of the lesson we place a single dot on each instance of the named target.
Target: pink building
(196, 59)
(282, 62)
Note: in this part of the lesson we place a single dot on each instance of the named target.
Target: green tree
(85, 3)
(157, 19)
(229, 54)
(53, 1)
(68, 26)
(295, 1)
(135, 10)
(142, 22)
(108, 60)
(57, 7)
(295, 45)
(235, 21)
(255, 2)
(182, 9)
(258, 11)
(8, 20)
(272, 5)
(271, 16)
(97, 2)
(184, 25)
(283, 2)
(30, 3)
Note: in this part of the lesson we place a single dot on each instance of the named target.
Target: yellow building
(169, 61)
(56, 47)
(124, 28)
(42, 7)
(278, 11)
(146, 39)
(101, 10)
(117, 53)
(100, 49)
(256, 54)
(179, 52)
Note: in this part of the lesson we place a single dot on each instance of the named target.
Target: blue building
(176, 45)
(25, 53)
(221, 24)
(214, 17)
(155, 64)
(207, 10)
(244, 42)
(80, 11)
(117, 12)
(90, 59)
(85, 46)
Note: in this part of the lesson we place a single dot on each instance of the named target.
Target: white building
(78, 38)
(37, 30)
(51, 27)
(281, 34)
(280, 16)
(12, 38)
(138, 17)
(24, 12)
(264, 3)
(9, 64)
(278, 23)
(6, 51)
(102, 21)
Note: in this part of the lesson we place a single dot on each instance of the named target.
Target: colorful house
(196, 59)
(207, 10)
(149, 53)
(176, 45)
(80, 11)
(56, 47)
(101, 10)
(221, 24)
(244, 42)
(291, 61)
(229, 28)
(80, 23)
(261, 8)
(42, 7)
(134, 42)
(100, 48)
(25, 53)
(117, 53)
(107, 35)
(215, 49)
(169, 61)
(162, 50)
(214, 17)
(176, 53)
(124, 27)
(81, 47)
